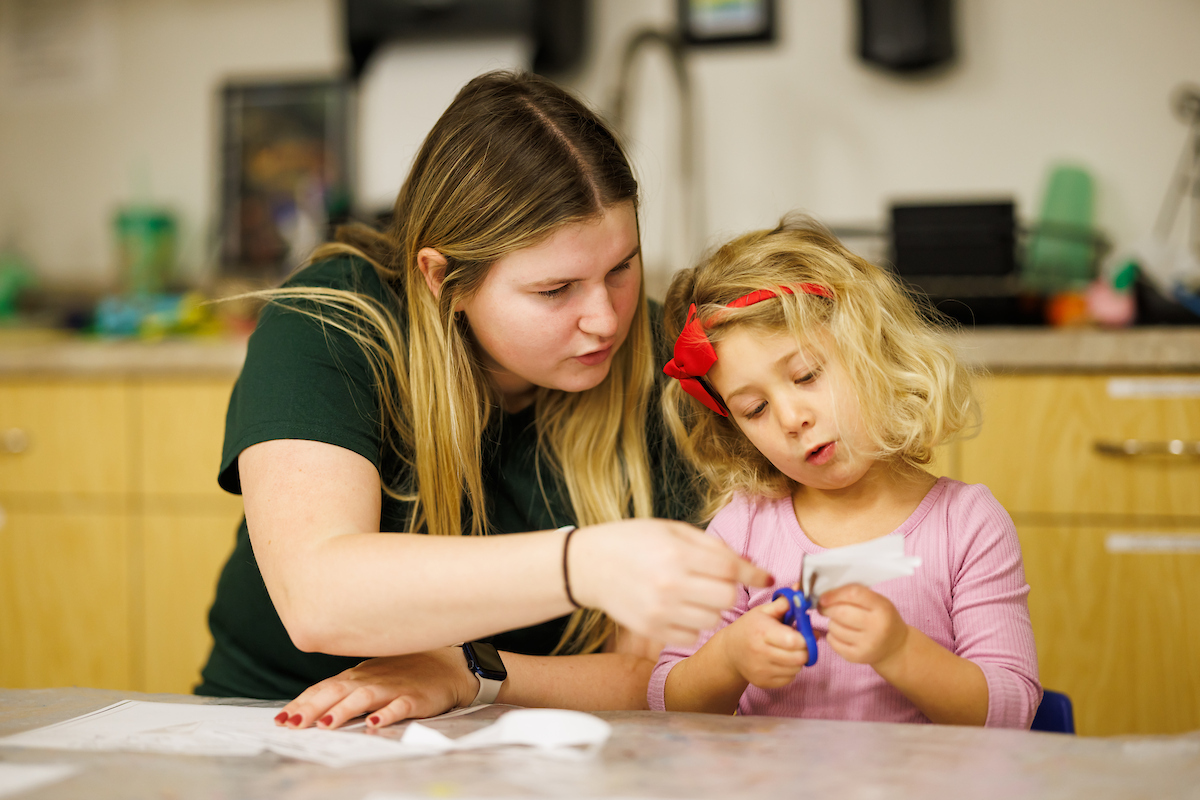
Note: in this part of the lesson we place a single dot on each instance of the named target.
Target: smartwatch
(484, 662)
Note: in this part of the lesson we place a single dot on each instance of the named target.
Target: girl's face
(795, 405)
(554, 314)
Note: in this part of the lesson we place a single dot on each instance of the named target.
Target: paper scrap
(225, 730)
(541, 728)
(18, 778)
(867, 563)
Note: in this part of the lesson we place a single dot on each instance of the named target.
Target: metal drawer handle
(1134, 447)
(14, 440)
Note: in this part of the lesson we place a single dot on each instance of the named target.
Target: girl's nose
(793, 416)
(599, 317)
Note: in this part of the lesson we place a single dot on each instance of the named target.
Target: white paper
(545, 729)
(18, 778)
(867, 563)
(404, 89)
(223, 730)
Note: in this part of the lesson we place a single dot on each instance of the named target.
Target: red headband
(694, 353)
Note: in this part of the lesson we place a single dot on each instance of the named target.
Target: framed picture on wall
(285, 172)
(703, 22)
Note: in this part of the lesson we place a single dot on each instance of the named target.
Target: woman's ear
(433, 266)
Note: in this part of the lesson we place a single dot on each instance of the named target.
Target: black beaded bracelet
(570, 529)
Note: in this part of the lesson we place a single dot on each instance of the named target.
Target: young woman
(483, 367)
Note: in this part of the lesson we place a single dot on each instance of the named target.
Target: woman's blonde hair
(512, 160)
(913, 391)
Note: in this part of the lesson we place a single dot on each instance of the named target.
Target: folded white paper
(867, 563)
(223, 730)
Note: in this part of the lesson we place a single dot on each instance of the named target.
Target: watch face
(484, 661)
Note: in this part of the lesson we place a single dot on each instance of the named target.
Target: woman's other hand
(389, 689)
(664, 580)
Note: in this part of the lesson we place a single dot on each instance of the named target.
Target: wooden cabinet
(112, 530)
(1111, 543)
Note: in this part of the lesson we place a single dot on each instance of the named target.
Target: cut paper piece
(867, 563)
(546, 729)
(18, 778)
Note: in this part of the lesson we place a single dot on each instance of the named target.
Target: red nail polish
(296, 719)
(281, 717)
(374, 720)
(327, 719)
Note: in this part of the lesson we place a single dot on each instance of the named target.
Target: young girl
(810, 393)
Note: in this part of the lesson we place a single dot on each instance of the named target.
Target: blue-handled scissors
(799, 605)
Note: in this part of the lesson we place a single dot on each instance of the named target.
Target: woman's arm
(342, 587)
(430, 683)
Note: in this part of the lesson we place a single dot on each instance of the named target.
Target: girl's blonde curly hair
(913, 391)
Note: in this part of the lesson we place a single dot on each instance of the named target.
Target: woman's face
(554, 314)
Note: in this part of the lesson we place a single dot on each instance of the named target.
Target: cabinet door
(182, 428)
(64, 600)
(72, 438)
(184, 554)
(1036, 450)
(1116, 617)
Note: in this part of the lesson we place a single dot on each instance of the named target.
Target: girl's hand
(664, 580)
(864, 626)
(395, 688)
(760, 648)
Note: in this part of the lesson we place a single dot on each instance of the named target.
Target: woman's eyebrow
(553, 281)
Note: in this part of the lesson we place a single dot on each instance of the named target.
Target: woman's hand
(661, 579)
(395, 688)
(761, 649)
(864, 626)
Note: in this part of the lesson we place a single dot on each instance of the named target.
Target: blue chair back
(1054, 715)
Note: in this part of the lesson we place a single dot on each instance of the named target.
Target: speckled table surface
(650, 755)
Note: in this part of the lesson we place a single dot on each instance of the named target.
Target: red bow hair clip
(694, 353)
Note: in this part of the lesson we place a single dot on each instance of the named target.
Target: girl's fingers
(788, 659)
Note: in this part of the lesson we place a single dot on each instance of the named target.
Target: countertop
(1150, 349)
(650, 755)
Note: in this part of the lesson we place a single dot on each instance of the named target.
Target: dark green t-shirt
(305, 380)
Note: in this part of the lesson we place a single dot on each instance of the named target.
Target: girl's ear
(433, 266)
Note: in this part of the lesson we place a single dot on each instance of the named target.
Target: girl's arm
(756, 648)
(342, 587)
(865, 628)
(946, 688)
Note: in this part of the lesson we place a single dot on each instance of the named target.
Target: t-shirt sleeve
(991, 610)
(303, 379)
(732, 526)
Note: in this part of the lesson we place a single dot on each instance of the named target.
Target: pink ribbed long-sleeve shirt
(969, 595)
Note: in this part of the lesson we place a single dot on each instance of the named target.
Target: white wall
(806, 125)
(801, 124)
(65, 166)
